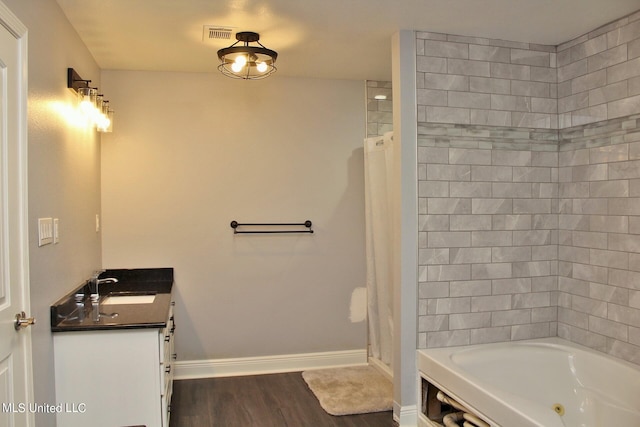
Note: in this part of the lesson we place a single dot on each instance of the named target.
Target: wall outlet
(45, 231)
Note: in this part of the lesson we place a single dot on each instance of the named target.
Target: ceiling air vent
(211, 32)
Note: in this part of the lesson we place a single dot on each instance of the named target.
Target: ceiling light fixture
(247, 62)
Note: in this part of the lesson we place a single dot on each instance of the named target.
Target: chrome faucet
(95, 282)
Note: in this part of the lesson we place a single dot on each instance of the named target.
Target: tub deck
(521, 383)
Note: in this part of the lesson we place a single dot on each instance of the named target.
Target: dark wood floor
(278, 400)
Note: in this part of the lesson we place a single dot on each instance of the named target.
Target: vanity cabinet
(114, 377)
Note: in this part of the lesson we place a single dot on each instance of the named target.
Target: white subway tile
(530, 57)
(446, 49)
(446, 81)
(469, 288)
(468, 68)
(448, 115)
(510, 71)
(469, 320)
(489, 335)
(489, 85)
(624, 107)
(623, 71)
(469, 100)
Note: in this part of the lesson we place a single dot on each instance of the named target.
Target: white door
(16, 389)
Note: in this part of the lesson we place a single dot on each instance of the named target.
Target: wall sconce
(91, 103)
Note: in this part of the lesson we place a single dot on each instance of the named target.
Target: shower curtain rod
(236, 224)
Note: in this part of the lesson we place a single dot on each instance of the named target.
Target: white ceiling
(344, 39)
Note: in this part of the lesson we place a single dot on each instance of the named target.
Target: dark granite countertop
(157, 281)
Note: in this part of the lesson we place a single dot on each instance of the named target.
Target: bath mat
(350, 390)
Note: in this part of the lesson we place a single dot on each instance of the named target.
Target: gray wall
(192, 152)
(64, 176)
(525, 230)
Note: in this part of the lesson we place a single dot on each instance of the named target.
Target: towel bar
(236, 224)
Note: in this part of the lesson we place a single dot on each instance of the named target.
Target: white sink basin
(128, 299)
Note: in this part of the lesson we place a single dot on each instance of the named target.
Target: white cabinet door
(111, 378)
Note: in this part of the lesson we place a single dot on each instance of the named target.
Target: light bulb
(86, 106)
(103, 123)
(236, 67)
(86, 97)
(109, 123)
(262, 67)
(106, 122)
(241, 60)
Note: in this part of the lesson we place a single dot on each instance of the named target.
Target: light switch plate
(45, 231)
(56, 231)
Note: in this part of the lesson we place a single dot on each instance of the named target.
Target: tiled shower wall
(599, 236)
(465, 80)
(599, 74)
(379, 111)
(527, 170)
(487, 234)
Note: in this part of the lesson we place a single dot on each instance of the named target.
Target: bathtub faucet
(95, 282)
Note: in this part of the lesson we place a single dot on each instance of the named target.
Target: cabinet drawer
(166, 339)
(165, 348)
(166, 406)
(165, 377)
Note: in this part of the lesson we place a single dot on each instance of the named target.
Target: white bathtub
(518, 384)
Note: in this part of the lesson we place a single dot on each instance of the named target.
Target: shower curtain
(378, 162)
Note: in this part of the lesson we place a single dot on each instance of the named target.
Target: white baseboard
(381, 367)
(191, 369)
(405, 416)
